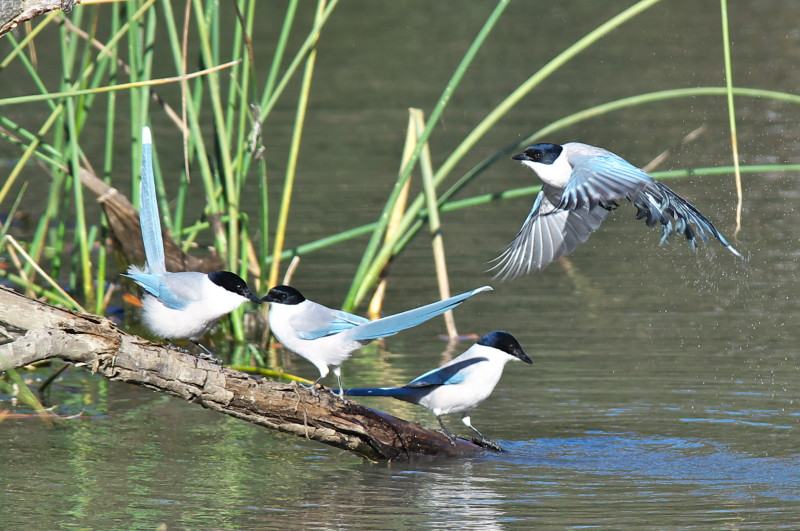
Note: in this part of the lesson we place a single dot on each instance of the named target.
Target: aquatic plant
(221, 117)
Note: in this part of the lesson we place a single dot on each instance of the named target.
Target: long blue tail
(394, 323)
(149, 219)
(380, 391)
(658, 203)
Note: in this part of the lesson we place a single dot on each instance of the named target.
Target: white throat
(556, 174)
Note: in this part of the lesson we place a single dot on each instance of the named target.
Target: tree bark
(96, 344)
(14, 12)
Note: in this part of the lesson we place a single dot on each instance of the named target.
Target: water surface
(664, 386)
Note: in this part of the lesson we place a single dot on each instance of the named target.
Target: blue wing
(395, 323)
(174, 290)
(603, 178)
(549, 232)
(333, 322)
(451, 374)
(657, 203)
(149, 218)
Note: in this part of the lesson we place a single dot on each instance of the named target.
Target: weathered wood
(14, 12)
(96, 344)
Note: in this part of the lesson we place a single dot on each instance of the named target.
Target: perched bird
(582, 183)
(182, 305)
(327, 337)
(461, 384)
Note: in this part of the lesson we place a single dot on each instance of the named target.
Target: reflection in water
(457, 497)
(664, 386)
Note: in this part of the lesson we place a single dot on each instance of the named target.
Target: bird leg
(338, 372)
(445, 432)
(207, 354)
(313, 387)
(483, 441)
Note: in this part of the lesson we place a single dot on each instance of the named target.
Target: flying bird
(582, 184)
(460, 385)
(180, 305)
(328, 337)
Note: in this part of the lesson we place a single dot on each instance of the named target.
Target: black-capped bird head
(540, 153)
(233, 283)
(284, 295)
(505, 342)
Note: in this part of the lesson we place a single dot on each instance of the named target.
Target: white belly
(191, 322)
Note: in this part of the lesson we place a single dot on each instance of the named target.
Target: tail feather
(149, 218)
(378, 391)
(658, 203)
(395, 323)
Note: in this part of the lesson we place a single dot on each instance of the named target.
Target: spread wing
(550, 231)
(601, 179)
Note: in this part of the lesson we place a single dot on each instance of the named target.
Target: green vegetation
(223, 108)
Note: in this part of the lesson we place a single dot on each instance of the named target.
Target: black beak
(524, 357)
(521, 156)
(253, 298)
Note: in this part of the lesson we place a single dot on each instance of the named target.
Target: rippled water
(665, 382)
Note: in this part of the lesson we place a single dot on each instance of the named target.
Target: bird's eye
(535, 154)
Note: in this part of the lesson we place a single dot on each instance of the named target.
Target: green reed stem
(375, 256)
(726, 46)
(280, 50)
(195, 139)
(269, 99)
(80, 213)
(294, 152)
(4, 227)
(222, 137)
(271, 95)
(435, 224)
(515, 193)
(19, 47)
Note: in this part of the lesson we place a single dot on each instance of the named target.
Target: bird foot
(209, 357)
(173, 346)
(450, 436)
(488, 444)
(314, 388)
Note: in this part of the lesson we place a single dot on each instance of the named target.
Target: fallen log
(96, 344)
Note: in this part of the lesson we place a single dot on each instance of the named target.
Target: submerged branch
(96, 344)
